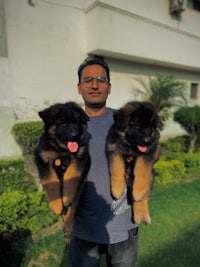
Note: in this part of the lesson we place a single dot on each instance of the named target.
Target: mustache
(94, 91)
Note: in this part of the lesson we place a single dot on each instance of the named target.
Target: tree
(164, 92)
(189, 119)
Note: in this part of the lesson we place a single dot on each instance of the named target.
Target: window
(194, 4)
(194, 91)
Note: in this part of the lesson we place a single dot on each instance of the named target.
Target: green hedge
(22, 207)
(22, 210)
(175, 167)
(179, 144)
(27, 135)
(175, 163)
(13, 176)
(191, 163)
(168, 172)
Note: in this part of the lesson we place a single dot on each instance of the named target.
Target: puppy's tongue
(72, 146)
(142, 148)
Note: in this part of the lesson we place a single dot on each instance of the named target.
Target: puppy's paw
(67, 201)
(68, 236)
(141, 214)
(56, 206)
(68, 229)
(141, 218)
(117, 192)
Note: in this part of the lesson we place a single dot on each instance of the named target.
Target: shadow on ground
(178, 254)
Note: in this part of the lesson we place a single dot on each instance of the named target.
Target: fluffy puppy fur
(63, 160)
(131, 148)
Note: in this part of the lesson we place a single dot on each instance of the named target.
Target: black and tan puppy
(63, 160)
(132, 150)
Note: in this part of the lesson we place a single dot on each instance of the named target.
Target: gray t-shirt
(100, 218)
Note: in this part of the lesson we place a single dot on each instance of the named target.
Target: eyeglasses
(100, 79)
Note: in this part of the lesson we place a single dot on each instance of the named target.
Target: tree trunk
(192, 143)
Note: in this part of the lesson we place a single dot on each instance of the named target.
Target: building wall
(45, 46)
(3, 41)
(149, 36)
(5, 83)
(46, 43)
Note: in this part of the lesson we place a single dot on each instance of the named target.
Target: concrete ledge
(8, 146)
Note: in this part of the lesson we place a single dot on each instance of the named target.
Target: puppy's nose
(74, 134)
(147, 139)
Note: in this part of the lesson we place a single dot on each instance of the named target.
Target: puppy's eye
(134, 124)
(62, 125)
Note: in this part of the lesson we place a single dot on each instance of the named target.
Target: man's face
(94, 86)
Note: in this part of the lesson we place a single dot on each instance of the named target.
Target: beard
(95, 105)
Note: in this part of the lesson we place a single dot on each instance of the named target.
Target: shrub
(27, 135)
(177, 144)
(22, 210)
(191, 163)
(11, 173)
(13, 176)
(167, 172)
(174, 167)
(164, 92)
(189, 119)
(22, 207)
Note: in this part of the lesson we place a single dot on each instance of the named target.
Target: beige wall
(45, 46)
(47, 42)
(5, 83)
(149, 36)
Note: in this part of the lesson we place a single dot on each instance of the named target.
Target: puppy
(63, 160)
(131, 148)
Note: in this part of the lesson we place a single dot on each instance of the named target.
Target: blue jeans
(88, 254)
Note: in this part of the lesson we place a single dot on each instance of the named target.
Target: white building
(42, 43)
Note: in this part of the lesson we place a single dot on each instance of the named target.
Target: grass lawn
(173, 239)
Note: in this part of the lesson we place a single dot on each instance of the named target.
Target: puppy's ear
(79, 114)
(84, 117)
(121, 118)
(48, 115)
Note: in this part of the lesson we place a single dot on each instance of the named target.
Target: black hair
(91, 60)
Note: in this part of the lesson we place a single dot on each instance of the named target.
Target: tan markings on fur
(57, 162)
(71, 181)
(51, 130)
(48, 156)
(122, 135)
(141, 211)
(130, 159)
(117, 173)
(51, 186)
(81, 150)
(68, 218)
(142, 179)
(54, 138)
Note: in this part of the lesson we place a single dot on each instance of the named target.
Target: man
(102, 224)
